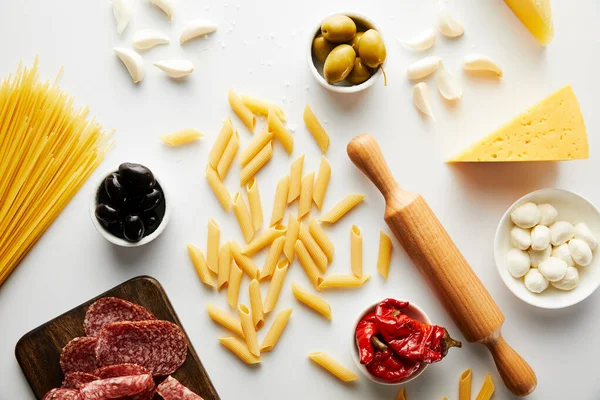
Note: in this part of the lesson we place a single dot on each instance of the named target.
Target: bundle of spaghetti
(48, 149)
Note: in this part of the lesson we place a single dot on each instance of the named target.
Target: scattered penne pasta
(343, 281)
(212, 245)
(342, 208)
(321, 238)
(279, 204)
(306, 190)
(402, 394)
(276, 329)
(264, 239)
(385, 254)
(228, 155)
(313, 248)
(220, 144)
(250, 169)
(275, 286)
(256, 145)
(322, 182)
(243, 216)
(261, 107)
(256, 211)
(184, 136)
(218, 188)
(293, 230)
(356, 251)
(309, 266)
(295, 179)
(256, 304)
(226, 320)
(315, 127)
(240, 349)
(487, 390)
(244, 261)
(279, 131)
(313, 301)
(224, 265)
(200, 265)
(332, 366)
(241, 110)
(234, 283)
(464, 385)
(275, 252)
(248, 329)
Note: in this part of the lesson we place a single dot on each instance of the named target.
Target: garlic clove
(423, 41)
(166, 6)
(448, 86)
(149, 38)
(122, 12)
(133, 62)
(423, 68)
(422, 99)
(195, 29)
(175, 68)
(481, 63)
(449, 26)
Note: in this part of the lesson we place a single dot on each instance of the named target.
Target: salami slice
(172, 389)
(79, 355)
(112, 371)
(62, 394)
(75, 380)
(159, 346)
(111, 309)
(117, 388)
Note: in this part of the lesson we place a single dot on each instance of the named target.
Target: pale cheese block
(536, 15)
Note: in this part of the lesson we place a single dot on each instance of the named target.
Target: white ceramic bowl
(316, 67)
(571, 207)
(122, 242)
(413, 311)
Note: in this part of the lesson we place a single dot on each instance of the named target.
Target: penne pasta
(464, 385)
(184, 136)
(256, 145)
(321, 183)
(226, 320)
(279, 131)
(293, 230)
(233, 287)
(224, 265)
(306, 190)
(279, 204)
(402, 394)
(343, 281)
(244, 261)
(243, 216)
(261, 107)
(356, 251)
(332, 366)
(313, 301)
(248, 329)
(309, 266)
(250, 169)
(276, 330)
(255, 206)
(228, 155)
(256, 304)
(264, 239)
(385, 254)
(313, 248)
(342, 208)
(216, 152)
(212, 245)
(321, 238)
(275, 286)
(200, 265)
(240, 349)
(241, 110)
(315, 127)
(487, 390)
(218, 188)
(272, 257)
(295, 178)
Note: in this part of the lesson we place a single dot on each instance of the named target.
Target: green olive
(355, 40)
(338, 29)
(339, 63)
(322, 47)
(360, 73)
(371, 49)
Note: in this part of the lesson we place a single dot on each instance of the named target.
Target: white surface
(259, 49)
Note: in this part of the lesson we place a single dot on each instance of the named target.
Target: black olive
(151, 200)
(133, 228)
(137, 176)
(107, 214)
(116, 228)
(151, 221)
(114, 188)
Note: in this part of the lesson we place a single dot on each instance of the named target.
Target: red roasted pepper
(388, 366)
(365, 330)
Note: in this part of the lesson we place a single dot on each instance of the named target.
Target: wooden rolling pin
(443, 266)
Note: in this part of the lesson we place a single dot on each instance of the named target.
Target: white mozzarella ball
(561, 232)
(538, 256)
(564, 254)
(526, 216)
(580, 252)
(517, 262)
(583, 232)
(535, 282)
(520, 238)
(570, 281)
(540, 237)
(548, 214)
(553, 269)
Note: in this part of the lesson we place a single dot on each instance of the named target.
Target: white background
(260, 49)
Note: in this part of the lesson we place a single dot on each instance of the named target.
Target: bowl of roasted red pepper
(394, 341)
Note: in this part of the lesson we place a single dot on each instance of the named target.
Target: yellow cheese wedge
(536, 15)
(552, 130)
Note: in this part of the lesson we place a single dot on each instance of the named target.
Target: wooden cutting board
(38, 352)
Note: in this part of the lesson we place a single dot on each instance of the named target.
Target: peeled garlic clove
(423, 68)
(166, 6)
(421, 42)
(122, 12)
(133, 62)
(195, 29)
(422, 100)
(449, 26)
(448, 86)
(481, 63)
(148, 38)
(175, 68)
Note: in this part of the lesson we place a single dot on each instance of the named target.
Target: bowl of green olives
(129, 208)
(346, 53)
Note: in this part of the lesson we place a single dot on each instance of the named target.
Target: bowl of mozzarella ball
(546, 248)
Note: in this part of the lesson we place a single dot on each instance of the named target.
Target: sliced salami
(172, 389)
(79, 355)
(111, 309)
(117, 388)
(112, 371)
(63, 394)
(75, 380)
(159, 346)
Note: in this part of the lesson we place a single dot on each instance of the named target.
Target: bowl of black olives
(130, 207)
